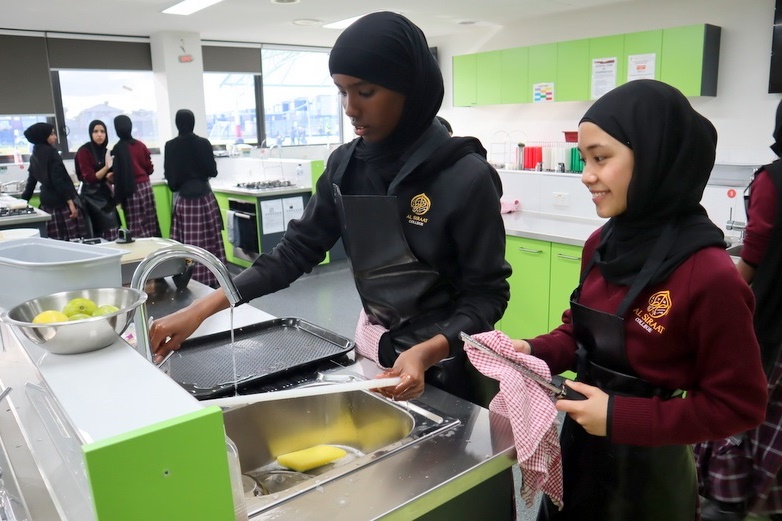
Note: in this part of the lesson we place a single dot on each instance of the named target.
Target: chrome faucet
(154, 259)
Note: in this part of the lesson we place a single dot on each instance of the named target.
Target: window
(300, 102)
(14, 147)
(87, 95)
(231, 108)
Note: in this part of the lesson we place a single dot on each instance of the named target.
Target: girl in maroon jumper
(132, 167)
(660, 328)
(93, 168)
(742, 474)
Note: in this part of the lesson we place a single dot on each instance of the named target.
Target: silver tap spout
(153, 260)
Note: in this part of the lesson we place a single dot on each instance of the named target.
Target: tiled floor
(327, 297)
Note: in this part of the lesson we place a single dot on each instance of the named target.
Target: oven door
(242, 228)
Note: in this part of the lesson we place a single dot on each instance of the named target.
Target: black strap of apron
(650, 267)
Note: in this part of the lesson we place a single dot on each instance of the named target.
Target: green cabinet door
(318, 168)
(488, 79)
(465, 80)
(163, 205)
(514, 76)
(690, 56)
(608, 48)
(565, 271)
(573, 71)
(640, 43)
(528, 310)
(543, 66)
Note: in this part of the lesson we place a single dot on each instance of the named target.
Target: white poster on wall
(641, 66)
(542, 92)
(272, 216)
(603, 76)
(292, 208)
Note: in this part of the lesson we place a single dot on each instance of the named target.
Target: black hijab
(674, 149)
(777, 145)
(38, 134)
(185, 121)
(98, 151)
(124, 177)
(389, 50)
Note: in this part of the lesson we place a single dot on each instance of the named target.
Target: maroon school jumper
(139, 208)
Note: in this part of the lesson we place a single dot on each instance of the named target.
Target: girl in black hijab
(417, 210)
(660, 309)
(58, 193)
(132, 167)
(94, 171)
(188, 165)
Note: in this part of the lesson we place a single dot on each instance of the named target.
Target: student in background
(660, 309)
(93, 169)
(58, 193)
(132, 167)
(741, 474)
(188, 165)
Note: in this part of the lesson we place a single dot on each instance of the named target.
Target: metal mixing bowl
(80, 336)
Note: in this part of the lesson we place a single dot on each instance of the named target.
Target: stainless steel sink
(367, 426)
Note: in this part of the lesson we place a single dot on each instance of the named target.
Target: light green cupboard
(514, 76)
(573, 71)
(694, 72)
(644, 42)
(465, 87)
(543, 65)
(164, 202)
(606, 48)
(544, 276)
(527, 313)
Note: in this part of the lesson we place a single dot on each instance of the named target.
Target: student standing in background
(132, 167)
(58, 194)
(188, 165)
(93, 169)
(742, 474)
(660, 309)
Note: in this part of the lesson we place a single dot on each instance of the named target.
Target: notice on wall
(542, 92)
(292, 208)
(641, 66)
(272, 216)
(603, 76)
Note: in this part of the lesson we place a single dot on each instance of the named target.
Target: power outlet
(561, 199)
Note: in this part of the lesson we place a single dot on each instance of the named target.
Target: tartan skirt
(140, 213)
(746, 467)
(62, 227)
(199, 222)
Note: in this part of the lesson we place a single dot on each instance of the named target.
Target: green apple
(80, 305)
(106, 309)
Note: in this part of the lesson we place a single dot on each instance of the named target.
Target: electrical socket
(561, 199)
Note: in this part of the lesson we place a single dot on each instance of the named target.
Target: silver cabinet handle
(568, 257)
(527, 250)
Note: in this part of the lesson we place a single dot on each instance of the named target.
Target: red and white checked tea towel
(367, 338)
(531, 412)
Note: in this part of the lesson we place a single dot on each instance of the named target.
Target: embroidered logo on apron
(419, 205)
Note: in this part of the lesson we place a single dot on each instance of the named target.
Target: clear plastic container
(237, 487)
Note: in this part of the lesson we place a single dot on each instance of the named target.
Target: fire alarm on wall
(185, 58)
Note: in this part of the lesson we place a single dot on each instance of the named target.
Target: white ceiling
(262, 21)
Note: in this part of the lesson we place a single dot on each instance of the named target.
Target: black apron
(604, 481)
(401, 293)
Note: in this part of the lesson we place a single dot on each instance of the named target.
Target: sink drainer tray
(264, 351)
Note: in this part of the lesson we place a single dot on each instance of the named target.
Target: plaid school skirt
(62, 227)
(199, 222)
(746, 467)
(140, 213)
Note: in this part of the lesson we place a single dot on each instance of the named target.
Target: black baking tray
(262, 352)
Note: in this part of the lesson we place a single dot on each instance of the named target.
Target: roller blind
(231, 59)
(25, 87)
(66, 53)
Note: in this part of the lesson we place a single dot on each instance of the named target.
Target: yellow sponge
(304, 460)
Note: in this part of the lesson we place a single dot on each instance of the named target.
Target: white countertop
(550, 227)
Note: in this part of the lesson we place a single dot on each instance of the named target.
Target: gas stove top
(265, 185)
(15, 212)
